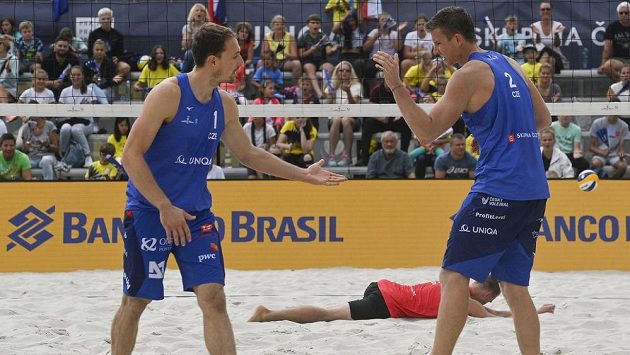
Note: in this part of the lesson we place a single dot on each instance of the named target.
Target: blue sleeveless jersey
(510, 165)
(181, 153)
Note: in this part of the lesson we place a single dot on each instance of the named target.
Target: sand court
(70, 313)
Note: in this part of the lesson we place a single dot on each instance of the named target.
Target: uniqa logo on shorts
(464, 228)
(183, 160)
(31, 223)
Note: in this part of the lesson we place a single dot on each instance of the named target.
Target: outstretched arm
(476, 309)
(261, 160)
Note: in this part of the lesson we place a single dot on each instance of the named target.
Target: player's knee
(211, 300)
(134, 306)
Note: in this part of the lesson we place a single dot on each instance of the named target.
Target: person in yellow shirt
(119, 138)
(531, 67)
(102, 169)
(297, 139)
(156, 70)
(416, 73)
(339, 9)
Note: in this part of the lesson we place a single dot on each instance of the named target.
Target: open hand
(390, 67)
(319, 176)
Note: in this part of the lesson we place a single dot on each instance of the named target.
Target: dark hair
(422, 17)
(107, 149)
(458, 136)
(117, 133)
(208, 40)
(153, 64)
(263, 86)
(60, 38)
(11, 21)
(83, 84)
(492, 285)
(66, 33)
(452, 20)
(248, 27)
(7, 137)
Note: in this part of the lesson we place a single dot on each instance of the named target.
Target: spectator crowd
(314, 68)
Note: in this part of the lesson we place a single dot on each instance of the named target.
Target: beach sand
(70, 313)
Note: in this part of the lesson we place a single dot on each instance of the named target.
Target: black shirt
(114, 42)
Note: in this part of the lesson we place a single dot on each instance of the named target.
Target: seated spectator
(57, 64)
(8, 29)
(440, 89)
(267, 71)
(122, 126)
(381, 94)
(197, 16)
(390, 162)
(38, 91)
(345, 89)
(511, 42)
(28, 48)
(9, 71)
(549, 90)
(531, 67)
(114, 41)
(76, 129)
(424, 156)
(14, 165)
(456, 164)
(439, 67)
(547, 55)
(416, 74)
(77, 46)
(351, 33)
(621, 89)
(156, 70)
(608, 134)
(263, 136)
(472, 146)
(548, 33)
(267, 96)
(297, 138)
(616, 53)
(245, 37)
(556, 163)
(41, 142)
(416, 42)
(103, 169)
(339, 9)
(313, 47)
(385, 38)
(568, 136)
(282, 43)
(306, 95)
(101, 71)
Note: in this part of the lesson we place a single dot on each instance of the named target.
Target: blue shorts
(494, 236)
(147, 251)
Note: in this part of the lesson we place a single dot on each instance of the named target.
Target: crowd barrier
(65, 226)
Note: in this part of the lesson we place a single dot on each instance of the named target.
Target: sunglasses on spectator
(623, 12)
(545, 9)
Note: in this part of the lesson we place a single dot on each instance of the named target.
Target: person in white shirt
(416, 42)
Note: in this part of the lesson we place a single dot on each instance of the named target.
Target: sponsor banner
(289, 225)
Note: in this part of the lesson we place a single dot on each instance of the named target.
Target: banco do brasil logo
(31, 226)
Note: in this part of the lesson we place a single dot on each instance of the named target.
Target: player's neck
(201, 86)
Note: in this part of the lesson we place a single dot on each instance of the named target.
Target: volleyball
(144, 60)
(588, 180)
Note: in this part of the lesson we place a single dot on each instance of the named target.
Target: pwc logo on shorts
(154, 244)
(31, 223)
(494, 201)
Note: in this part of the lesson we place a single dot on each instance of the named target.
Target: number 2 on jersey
(515, 93)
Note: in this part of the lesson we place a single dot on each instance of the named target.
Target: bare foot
(259, 314)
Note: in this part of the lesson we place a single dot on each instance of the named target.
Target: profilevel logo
(31, 226)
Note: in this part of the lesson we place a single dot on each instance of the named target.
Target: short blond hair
(25, 25)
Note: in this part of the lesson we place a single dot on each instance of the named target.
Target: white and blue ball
(588, 180)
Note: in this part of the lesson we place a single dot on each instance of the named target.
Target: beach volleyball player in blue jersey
(494, 232)
(167, 157)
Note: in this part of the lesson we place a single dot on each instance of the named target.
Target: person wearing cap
(313, 46)
(531, 67)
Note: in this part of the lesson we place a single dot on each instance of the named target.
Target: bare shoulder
(517, 67)
(163, 100)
